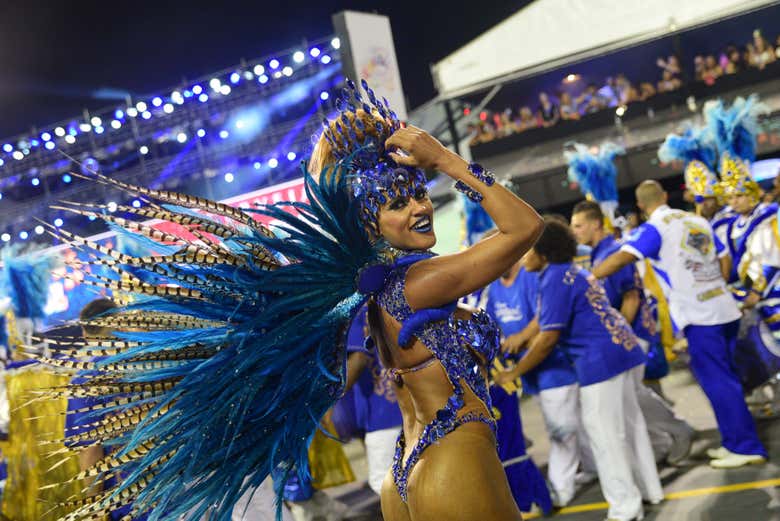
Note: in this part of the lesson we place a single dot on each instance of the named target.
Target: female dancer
(222, 376)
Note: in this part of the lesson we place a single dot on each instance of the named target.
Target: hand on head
(416, 148)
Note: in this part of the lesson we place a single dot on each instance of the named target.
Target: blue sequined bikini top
(461, 346)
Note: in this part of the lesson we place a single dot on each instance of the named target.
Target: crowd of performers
(234, 359)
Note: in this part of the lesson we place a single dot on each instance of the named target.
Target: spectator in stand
(646, 91)
(548, 111)
(777, 47)
(584, 99)
(526, 120)
(669, 82)
(670, 65)
(627, 93)
(609, 93)
(568, 107)
(762, 52)
(712, 70)
(698, 68)
(734, 62)
(485, 133)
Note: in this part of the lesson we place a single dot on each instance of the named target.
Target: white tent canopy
(548, 34)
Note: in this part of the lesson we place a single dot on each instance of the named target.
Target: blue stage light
(274, 64)
(50, 144)
(98, 130)
(181, 137)
(201, 132)
(228, 177)
(273, 162)
(39, 230)
(224, 134)
(259, 69)
(2, 162)
(91, 217)
(298, 56)
(5, 237)
(46, 136)
(263, 78)
(136, 203)
(291, 156)
(335, 43)
(57, 222)
(188, 93)
(157, 101)
(35, 181)
(116, 124)
(203, 98)
(118, 114)
(34, 143)
(324, 95)
(325, 59)
(8, 148)
(146, 114)
(66, 178)
(314, 52)
(197, 89)
(23, 235)
(235, 78)
(257, 165)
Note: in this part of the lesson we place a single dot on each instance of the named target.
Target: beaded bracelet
(469, 192)
(483, 175)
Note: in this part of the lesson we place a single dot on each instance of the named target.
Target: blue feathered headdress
(596, 174)
(25, 280)
(734, 128)
(694, 144)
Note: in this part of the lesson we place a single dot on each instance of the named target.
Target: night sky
(55, 55)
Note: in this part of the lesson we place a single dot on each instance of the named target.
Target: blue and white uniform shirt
(684, 253)
(513, 307)
(720, 223)
(596, 338)
(754, 244)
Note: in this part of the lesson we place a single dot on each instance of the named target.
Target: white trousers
(663, 425)
(620, 444)
(560, 409)
(380, 449)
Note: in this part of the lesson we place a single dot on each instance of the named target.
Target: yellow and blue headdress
(736, 178)
(701, 181)
(357, 138)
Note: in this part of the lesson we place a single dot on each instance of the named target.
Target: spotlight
(201, 132)
(620, 111)
(8, 148)
(248, 75)
(324, 95)
(181, 137)
(146, 114)
(325, 59)
(69, 139)
(235, 78)
(96, 121)
(225, 90)
(287, 71)
(46, 136)
(197, 89)
(132, 112)
(263, 78)
(215, 84)
(273, 162)
(98, 130)
(85, 127)
(314, 52)
(116, 124)
(167, 108)
(157, 101)
(259, 69)
(50, 144)
(118, 114)
(203, 98)
(91, 217)
(1, 164)
(66, 178)
(257, 165)
(224, 134)
(335, 43)
(23, 235)
(59, 131)
(291, 156)
(298, 57)
(18, 155)
(57, 222)
(111, 206)
(240, 124)
(144, 150)
(39, 229)
(176, 97)
(277, 75)
(274, 64)
(136, 203)
(229, 177)
(141, 106)
(5, 237)
(35, 181)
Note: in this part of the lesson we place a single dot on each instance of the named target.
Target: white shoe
(719, 453)
(733, 461)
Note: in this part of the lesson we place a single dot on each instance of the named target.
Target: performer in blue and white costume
(511, 301)
(224, 374)
(574, 314)
(685, 253)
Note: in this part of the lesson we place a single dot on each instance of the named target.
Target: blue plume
(734, 128)
(136, 245)
(477, 220)
(25, 280)
(252, 359)
(596, 174)
(694, 144)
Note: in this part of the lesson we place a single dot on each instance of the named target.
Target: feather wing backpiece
(220, 369)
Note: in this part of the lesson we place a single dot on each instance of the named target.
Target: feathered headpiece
(734, 129)
(596, 174)
(25, 280)
(736, 178)
(358, 136)
(701, 181)
(694, 144)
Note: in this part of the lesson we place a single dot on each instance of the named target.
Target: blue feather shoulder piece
(694, 143)
(221, 374)
(595, 173)
(734, 129)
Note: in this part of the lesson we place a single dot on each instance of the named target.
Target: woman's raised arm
(440, 280)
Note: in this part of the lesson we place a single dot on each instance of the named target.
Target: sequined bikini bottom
(445, 422)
